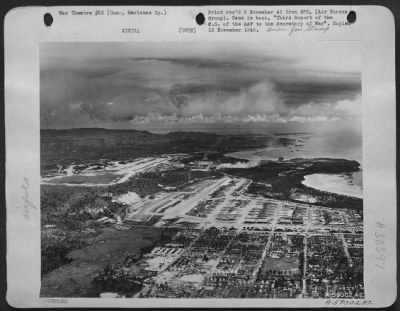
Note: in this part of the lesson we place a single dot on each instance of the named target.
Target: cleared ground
(111, 246)
(284, 263)
(116, 173)
(81, 179)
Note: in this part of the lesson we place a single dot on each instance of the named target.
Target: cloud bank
(121, 84)
(249, 164)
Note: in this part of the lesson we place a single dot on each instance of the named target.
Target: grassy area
(62, 204)
(63, 147)
(149, 183)
(284, 263)
(101, 178)
(111, 246)
(74, 210)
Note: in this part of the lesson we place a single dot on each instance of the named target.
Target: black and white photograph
(215, 156)
(186, 170)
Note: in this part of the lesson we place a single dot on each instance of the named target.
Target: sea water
(346, 184)
(339, 143)
(331, 139)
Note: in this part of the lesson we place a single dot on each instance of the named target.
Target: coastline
(335, 183)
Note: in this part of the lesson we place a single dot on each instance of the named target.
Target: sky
(198, 84)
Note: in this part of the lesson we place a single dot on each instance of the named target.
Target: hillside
(66, 146)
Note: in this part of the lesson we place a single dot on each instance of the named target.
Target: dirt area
(104, 178)
(111, 246)
(284, 263)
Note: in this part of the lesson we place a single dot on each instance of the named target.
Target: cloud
(85, 84)
(349, 107)
(258, 98)
(303, 119)
(249, 164)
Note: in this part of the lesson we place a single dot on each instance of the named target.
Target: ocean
(331, 139)
(339, 142)
(346, 184)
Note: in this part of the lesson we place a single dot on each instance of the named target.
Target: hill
(62, 147)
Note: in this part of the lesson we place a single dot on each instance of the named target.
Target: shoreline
(236, 155)
(334, 183)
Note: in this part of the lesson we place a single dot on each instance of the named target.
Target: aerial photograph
(201, 170)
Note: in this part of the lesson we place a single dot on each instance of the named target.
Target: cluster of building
(204, 208)
(330, 270)
(230, 262)
(228, 244)
(262, 212)
(280, 275)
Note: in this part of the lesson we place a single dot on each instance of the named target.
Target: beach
(348, 184)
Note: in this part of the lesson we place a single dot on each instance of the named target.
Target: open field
(281, 264)
(81, 180)
(116, 173)
(64, 147)
(111, 246)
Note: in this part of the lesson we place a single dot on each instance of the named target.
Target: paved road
(309, 219)
(267, 246)
(346, 249)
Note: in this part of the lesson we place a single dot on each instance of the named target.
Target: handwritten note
(348, 302)
(27, 204)
(380, 245)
